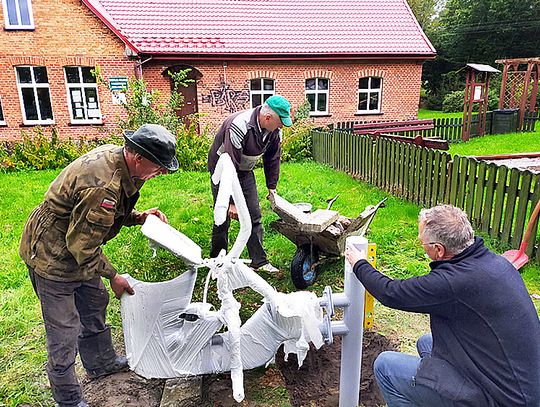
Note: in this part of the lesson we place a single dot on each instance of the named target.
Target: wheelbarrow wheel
(303, 271)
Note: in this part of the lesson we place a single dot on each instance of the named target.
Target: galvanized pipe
(351, 344)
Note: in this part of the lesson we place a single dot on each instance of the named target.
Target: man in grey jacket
(248, 136)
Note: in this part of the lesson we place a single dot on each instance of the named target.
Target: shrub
(296, 143)
(191, 147)
(39, 152)
(453, 101)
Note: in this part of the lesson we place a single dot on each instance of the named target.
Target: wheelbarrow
(315, 234)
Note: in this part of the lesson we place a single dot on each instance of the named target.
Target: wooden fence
(497, 199)
(450, 129)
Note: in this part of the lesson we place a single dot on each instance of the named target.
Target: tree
(478, 31)
(424, 11)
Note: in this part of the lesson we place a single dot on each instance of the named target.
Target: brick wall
(66, 33)
(400, 94)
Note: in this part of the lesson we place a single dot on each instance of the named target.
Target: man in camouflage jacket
(84, 207)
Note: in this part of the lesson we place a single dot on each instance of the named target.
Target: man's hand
(353, 255)
(154, 211)
(119, 284)
(233, 213)
(271, 193)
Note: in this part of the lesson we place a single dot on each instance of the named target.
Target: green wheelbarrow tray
(319, 233)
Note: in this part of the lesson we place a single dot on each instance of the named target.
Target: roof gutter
(266, 57)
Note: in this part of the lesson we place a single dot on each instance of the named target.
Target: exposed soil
(315, 384)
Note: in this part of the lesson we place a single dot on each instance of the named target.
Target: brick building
(352, 59)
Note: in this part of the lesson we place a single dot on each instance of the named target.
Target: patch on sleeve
(107, 203)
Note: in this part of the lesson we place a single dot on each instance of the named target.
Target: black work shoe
(120, 364)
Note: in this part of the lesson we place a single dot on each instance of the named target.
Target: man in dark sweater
(247, 136)
(484, 346)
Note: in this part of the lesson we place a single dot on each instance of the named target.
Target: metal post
(351, 345)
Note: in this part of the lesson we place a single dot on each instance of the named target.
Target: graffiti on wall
(227, 99)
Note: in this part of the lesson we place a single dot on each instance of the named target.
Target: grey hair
(266, 109)
(449, 226)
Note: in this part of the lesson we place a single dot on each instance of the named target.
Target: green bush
(39, 152)
(191, 147)
(453, 101)
(296, 143)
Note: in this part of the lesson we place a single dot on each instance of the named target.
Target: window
(260, 89)
(317, 95)
(2, 121)
(18, 14)
(34, 94)
(369, 95)
(83, 103)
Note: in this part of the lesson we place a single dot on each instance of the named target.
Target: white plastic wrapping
(168, 336)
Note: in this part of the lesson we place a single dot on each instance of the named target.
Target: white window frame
(369, 90)
(34, 86)
(83, 86)
(316, 92)
(2, 122)
(262, 91)
(19, 26)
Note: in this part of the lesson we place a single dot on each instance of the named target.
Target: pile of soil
(316, 383)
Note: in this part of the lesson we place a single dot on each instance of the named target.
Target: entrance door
(189, 93)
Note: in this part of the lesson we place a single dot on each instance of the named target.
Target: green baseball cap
(282, 107)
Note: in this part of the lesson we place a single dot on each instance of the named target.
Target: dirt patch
(122, 389)
(315, 384)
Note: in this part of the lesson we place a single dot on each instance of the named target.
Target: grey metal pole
(351, 345)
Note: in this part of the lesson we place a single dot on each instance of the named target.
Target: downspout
(138, 67)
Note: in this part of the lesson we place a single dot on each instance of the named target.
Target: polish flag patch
(107, 203)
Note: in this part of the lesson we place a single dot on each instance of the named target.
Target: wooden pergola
(519, 87)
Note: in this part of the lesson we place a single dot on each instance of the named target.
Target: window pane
(255, 84)
(321, 102)
(375, 83)
(29, 103)
(311, 99)
(87, 75)
(25, 13)
(92, 103)
(323, 84)
(256, 100)
(268, 84)
(24, 75)
(12, 12)
(374, 101)
(310, 84)
(72, 74)
(40, 74)
(44, 100)
(76, 103)
(362, 101)
(363, 83)
(1, 112)
(266, 96)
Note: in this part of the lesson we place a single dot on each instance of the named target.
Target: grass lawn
(499, 144)
(186, 199)
(437, 114)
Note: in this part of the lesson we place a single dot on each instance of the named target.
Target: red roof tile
(266, 27)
